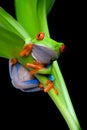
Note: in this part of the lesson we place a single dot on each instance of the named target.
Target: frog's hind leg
(22, 79)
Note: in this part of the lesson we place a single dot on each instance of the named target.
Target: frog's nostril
(62, 48)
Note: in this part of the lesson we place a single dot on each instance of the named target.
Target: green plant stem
(41, 13)
(72, 124)
(26, 14)
(60, 79)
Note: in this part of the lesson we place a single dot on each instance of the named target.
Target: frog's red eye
(40, 36)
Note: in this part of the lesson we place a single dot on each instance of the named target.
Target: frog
(43, 51)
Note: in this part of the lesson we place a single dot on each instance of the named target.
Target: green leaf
(63, 89)
(7, 21)
(10, 44)
(49, 5)
(36, 12)
(42, 8)
(26, 14)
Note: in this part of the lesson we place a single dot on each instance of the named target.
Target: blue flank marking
(32, 81)
(18, 66)
(51, 77)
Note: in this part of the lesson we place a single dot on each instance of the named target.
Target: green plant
(17, 36)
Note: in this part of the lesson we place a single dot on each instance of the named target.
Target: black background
(29, 110)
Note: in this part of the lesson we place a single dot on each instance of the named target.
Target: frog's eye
(40, 36)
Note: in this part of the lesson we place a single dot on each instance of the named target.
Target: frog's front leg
(26, 50)
(36, 67)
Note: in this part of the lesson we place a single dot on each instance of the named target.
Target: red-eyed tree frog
(25, 53)
(42, 51)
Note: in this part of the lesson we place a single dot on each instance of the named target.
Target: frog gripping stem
(25, 48)
(42, 56)
(50, 85)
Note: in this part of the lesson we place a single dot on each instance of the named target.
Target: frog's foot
(26, 50)
(41, 86)
(36, 67)
(13, 61)
(50, 85)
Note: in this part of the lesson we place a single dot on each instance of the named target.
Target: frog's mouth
(43, 54)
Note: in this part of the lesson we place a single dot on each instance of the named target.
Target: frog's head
(46, 49)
